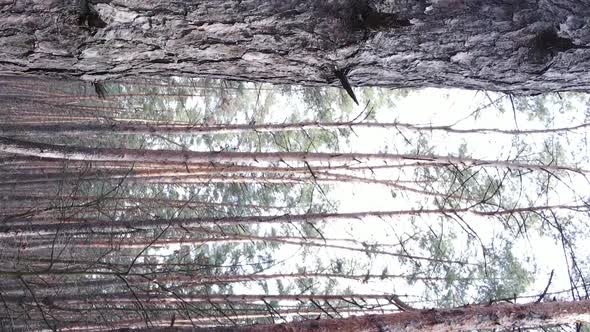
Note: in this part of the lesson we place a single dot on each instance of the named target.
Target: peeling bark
(478, 44)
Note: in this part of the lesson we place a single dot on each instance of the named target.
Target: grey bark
(519, 46)
(130, 128)
(468, 318)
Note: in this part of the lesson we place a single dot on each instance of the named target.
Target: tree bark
(52, 151)
(519, 46)
(138, 128)
(466, 318)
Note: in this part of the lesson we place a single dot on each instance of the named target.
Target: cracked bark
(474, 317)
(473, 44)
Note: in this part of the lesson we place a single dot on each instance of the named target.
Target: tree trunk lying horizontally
(518, 46)
(468, 318)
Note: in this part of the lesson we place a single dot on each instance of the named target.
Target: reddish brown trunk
(445, 320)
(42, 150)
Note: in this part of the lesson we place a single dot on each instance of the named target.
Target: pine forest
(202, 204)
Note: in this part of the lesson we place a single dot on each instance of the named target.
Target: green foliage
(456, 238)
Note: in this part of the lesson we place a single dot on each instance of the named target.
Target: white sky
(447, 106)
(444, 107)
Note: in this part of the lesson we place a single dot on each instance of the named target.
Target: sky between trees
(445, 198)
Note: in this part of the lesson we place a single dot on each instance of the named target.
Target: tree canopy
(201, 203)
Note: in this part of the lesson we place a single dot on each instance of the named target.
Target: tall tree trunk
(522, 46)
(139, 128)
(22, 226)
(42, 150)
(446, 320)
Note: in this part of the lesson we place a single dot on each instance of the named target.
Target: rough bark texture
(520, 46)
(449, 320)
